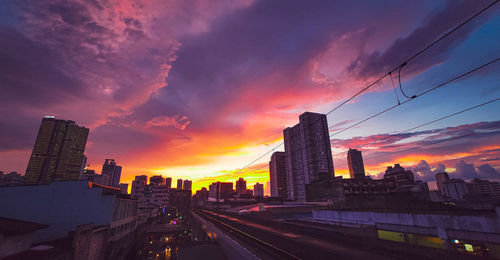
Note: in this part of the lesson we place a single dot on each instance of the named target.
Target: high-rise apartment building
(277, 172)
(168, 182)
(258, 190)
(308, 154)
(58, 151)
(355, 163)
(179, 184)
(241, 186)
(111, 173)
(187, 185)
(138, 186)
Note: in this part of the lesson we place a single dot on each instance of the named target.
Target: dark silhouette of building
(455, 189)
(11, 179)
(58, 151)
(186, 185)
(157, 180)
(226, 190)
(241, 186)
(440, 179)
(202, 194)
(219, 191)
(124, 188)
(355, 162)
(168, 182)
(179, 184)
(277, 172)
(308, 154)
(483, 187)
(138, 186)
(258, 190)
(399, 175)
(111, 173)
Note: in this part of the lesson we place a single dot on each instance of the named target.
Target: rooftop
(12, 227)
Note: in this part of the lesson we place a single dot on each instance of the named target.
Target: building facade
(484, 187)
(58, 152)
(258, 190)
(78, 203)
(308, 154)
(138, 186)
(186, 185)
(157, 180)
(124, 188)
(454, 189)
(355, 163)
(399, 175)
(111, 173)
(179, 184)
(168, 182)
(241, 186)
(277, 172)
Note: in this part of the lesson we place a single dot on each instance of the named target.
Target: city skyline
(162, 119)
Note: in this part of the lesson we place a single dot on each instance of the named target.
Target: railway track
(259, 247)
(269, 240)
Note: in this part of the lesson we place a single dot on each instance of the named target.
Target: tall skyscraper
(308, 154)
(258, 190)
(355, 162)
(111, 173)
(241, 186)
(168, 182)
(58, 151)
(277, 172)
(186, 185)
(179, 184)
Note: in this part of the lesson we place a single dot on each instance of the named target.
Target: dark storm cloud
(435, 25)
(29, 73)
(266, 48)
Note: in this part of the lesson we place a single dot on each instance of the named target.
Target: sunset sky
(198, 89)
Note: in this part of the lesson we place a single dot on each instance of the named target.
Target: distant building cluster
(159, 193)
(61, 199)
(305, 172)
(458, 189)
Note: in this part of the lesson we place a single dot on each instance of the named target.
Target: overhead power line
(432, 121)
(418, 95)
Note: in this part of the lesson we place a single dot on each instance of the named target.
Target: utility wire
(416, 96)
(400, 85)
(388, 73)
(431, 122)
(394, 87)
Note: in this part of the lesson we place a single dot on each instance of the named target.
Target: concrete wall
(440, 225)
(61, 205)
(10, 245)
